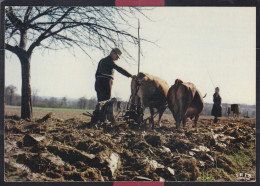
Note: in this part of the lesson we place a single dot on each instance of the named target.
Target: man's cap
(117, 51)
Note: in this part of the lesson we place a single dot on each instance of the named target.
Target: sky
(208, 46)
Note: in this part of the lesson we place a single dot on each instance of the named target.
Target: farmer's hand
(133, 76)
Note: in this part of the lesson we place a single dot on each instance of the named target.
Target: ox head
(135, 85)
(136, 82)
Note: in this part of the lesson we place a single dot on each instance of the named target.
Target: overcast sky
(210, 47)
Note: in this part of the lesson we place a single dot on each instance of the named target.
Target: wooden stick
(139, 48)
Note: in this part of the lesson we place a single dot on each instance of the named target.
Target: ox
(151, 91)
(184, 101)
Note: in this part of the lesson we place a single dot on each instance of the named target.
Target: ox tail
(205, 95)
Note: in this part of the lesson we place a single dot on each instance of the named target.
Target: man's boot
(95, 117)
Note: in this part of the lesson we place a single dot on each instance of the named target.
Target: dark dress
(217, 108)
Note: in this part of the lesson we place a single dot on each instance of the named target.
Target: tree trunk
(26, 105)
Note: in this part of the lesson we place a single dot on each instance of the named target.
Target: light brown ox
(152, 92)
(184, 101)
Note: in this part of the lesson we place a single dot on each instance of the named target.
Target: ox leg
(152, 115)
(173, 115)
(161, 111)
(181, 114)
(184, 121)
(179, 118)
(140, 112)
(176, 117)
(196, 120)
(178, 121)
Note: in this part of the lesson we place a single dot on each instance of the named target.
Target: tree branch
(27, 14)
(92, 24)
(14, 49)
(43, 35)
(83, 27)
(46, 12)
(13, 18)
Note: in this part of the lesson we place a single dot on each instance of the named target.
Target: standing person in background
(217, 108)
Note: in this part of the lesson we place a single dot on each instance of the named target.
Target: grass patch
(240, 159)
(48, 109)
(245, 160)
(39, 112)
(223, 175)
(206, 177)
(215, 175)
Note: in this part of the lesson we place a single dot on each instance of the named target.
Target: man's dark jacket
(106, 68)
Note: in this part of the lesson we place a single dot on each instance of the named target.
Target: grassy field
(39, 112)
(67, 113)
(47, 109)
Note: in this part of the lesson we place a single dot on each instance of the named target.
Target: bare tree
(88, 28)
(53, 103)
(34, 96)
(10, 92)
(92, 102)
(82, 103)
(63, 102)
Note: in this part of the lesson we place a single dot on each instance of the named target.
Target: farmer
(217, 108)
(105, 75)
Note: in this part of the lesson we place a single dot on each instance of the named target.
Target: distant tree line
(12, 98)
(84, 103)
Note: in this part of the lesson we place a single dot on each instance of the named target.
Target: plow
(106, 112)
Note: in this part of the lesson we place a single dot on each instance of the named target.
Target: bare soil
(72, 149)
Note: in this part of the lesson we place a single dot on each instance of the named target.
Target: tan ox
(152, 92)
(184, 101)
